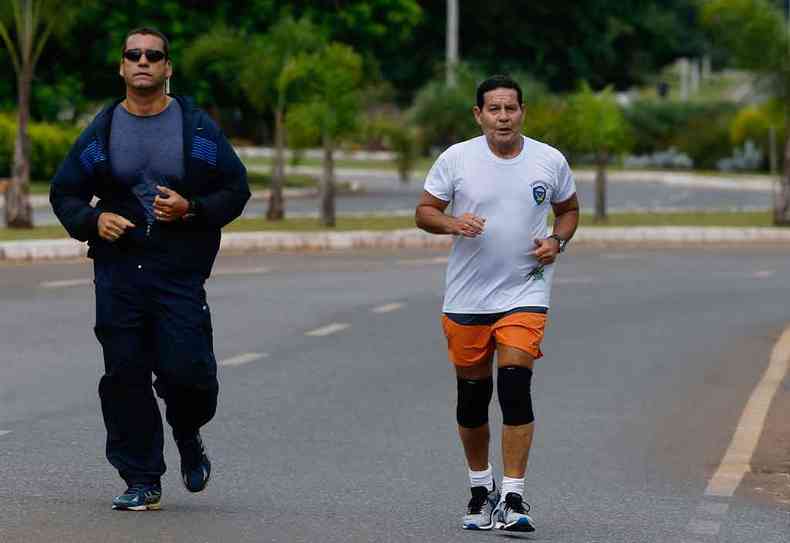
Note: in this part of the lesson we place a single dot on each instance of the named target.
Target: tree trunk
(276, 211)
(782, 197)
(328, 183)
(602, 160)
(18, 212)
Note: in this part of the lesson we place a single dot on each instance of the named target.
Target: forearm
(565, 224)
(434, 221)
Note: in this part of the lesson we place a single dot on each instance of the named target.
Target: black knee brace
(513, 387)
(473, 399)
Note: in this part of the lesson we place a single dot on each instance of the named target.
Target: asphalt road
(348, 434)
(385, 194)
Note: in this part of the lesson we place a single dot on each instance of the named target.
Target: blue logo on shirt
(539, 193)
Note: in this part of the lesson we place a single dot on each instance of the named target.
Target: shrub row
(49, 145)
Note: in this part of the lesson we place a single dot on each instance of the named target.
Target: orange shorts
(470, 345)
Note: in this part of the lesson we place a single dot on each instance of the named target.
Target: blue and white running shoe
(511, 514)
(479, 513)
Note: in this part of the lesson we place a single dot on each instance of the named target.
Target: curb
(251, 242)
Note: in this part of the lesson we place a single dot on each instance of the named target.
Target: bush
(50, 144)
(700, 130)
(444, 114)
(393, 133)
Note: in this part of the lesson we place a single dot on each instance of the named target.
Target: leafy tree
(328, 108)
(444, 113)
(213, 62)
(762, 124)
(25, 27)
(593, 123)
(559, 42)
(754, 32)
(268, 86)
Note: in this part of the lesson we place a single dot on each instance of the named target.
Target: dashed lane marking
(241, 271)
(66, 283)
(328, 329)
(737, 459)
(4, 432)
(243, 359)
(387, 308)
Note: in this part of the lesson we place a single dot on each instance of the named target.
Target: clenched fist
(112, 226)
(469, 225)
(170, 207)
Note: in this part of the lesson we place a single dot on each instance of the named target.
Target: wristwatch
(562, 242)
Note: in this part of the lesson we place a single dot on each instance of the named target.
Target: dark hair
(497, 82)
(147, 31)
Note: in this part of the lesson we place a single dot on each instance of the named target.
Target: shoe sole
(521, 525)
(148, 507)
(475, 527)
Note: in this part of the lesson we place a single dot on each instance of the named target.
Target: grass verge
(745, 219)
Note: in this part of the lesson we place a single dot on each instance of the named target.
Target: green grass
(39, 232)
(756, 218)
(312, 225)
(719, 218)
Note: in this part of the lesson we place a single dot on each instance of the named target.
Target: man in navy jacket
(166, 181)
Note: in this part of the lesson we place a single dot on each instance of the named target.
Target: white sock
(482, 478)
(510, 484)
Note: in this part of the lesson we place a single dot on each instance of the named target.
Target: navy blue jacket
(214, 177)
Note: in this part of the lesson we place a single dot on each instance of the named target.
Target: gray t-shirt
(147, 151)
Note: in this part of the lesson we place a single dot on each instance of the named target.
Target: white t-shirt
(489, 273)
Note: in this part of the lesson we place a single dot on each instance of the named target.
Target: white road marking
(241, 271)
(328, 329)
(763, 274)
(387, 308)
(704, 527)
(242, 359)
(737, 459)
(65, 283)
(4, 432)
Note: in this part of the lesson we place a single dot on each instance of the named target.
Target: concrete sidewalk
(252, 242)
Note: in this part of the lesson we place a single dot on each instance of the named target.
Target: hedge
(49, 145)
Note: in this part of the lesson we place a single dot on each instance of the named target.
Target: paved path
(336, 410)
(380, 191)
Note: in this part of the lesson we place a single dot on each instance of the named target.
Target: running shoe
(139, 497)
(195, 465)
(479, 513)
(511, 514)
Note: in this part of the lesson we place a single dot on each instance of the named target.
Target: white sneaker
(480, 511)
(511, 514)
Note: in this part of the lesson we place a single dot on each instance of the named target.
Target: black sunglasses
(134, 55)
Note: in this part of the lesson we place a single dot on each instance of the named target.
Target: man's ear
(477, 111)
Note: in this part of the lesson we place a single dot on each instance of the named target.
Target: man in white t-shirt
(501, 186)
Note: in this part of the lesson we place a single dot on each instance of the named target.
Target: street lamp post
(452, 41)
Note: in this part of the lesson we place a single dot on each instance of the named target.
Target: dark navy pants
(152, 322)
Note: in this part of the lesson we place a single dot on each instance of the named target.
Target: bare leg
(516, 440)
